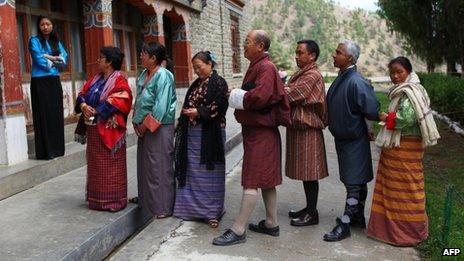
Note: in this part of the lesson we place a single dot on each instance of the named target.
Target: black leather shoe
(306, 219)
(355, 222)
(261, 228)
(229, 238)
(296, 214)
(340, 231)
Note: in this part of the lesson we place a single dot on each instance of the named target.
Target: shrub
(446, 94)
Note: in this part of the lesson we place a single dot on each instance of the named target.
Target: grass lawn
(444, 165)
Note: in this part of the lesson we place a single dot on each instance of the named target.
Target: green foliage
(443, 166)
(433, 29)
(446, 94)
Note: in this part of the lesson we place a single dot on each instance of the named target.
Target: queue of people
(181, 166)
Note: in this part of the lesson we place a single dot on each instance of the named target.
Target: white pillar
(13, 139)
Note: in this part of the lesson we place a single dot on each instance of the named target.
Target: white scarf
(421, 103)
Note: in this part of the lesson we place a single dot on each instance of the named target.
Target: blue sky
(369, 5)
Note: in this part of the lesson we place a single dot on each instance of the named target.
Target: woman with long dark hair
(48, 56)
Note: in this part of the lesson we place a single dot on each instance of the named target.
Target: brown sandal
(213, 223)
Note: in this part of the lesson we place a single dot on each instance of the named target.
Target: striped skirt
(106, 174)
(305, 155)
(202, 197)
(398, 214)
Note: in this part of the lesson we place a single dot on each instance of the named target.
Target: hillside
(327, 23)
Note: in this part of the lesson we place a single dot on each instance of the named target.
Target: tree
(433, 29)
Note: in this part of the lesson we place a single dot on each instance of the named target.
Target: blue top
(41, 66)
(92, 98)
(351, 100)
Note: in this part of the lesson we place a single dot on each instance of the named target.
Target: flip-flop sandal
(134, 200)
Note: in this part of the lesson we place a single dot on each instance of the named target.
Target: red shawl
(117, 92)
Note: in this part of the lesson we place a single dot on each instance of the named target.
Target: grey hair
(352, 49)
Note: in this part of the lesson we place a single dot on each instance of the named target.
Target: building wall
(209, 30)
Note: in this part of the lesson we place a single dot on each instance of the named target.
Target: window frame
(235, 43)
(64, 20)
(125, 28)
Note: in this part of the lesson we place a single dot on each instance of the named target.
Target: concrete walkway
(192, 240)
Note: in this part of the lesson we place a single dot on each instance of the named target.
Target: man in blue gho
(351, 102)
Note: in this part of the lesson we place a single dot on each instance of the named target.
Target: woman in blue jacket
(48, 56)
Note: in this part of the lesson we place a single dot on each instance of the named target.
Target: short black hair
(206, 57)
(113, 55)
(155, 49)
(403, 61)
(311, 46)
(262, 37)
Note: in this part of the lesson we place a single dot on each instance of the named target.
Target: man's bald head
(261, 36)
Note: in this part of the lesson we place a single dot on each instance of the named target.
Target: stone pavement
(192, 240)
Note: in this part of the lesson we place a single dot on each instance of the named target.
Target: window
(76, 51)
(68, 24)
(235, 42)
(127, 21)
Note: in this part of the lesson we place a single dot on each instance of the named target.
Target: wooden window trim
(64, 19)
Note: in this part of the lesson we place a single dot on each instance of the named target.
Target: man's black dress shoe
(355, 222)
(306, 219)
(261, 228)
(340, 231)
(229, 238)
(296, 214)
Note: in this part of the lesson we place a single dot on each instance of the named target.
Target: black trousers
(47, 113)
(355, 201)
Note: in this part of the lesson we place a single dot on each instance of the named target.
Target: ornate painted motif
(150, 26)
(9, 2)
(97, 14)
(180, 33)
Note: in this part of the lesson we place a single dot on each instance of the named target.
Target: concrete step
(52, 222)
(145, 243)
(25, 175)
(22, 176)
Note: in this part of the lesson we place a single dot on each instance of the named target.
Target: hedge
(446, 94)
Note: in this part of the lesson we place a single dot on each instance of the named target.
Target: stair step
(52, 222)
(25, 175)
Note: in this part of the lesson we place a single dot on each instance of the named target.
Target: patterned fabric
(398, 214)
(262, 151)
(307, 99)
(266, 107)
(305, 155)
(197, 98)
(106, 174)
(115, 93)
(202, 197)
